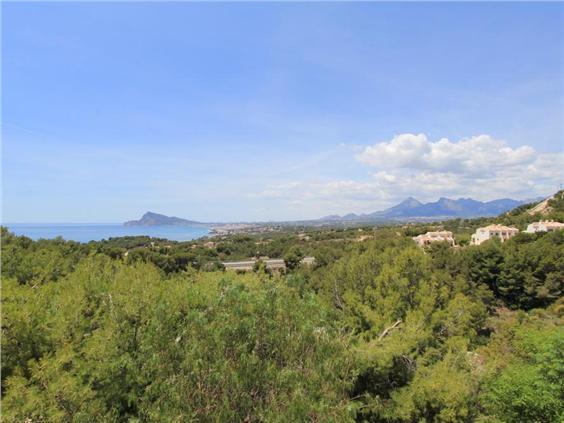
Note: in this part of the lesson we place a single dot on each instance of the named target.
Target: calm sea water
(94, 232)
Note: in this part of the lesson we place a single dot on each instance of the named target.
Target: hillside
(551, 208)
(549, 205)
(378, 330)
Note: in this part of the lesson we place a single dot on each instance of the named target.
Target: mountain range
(409, 209)
(442, 208)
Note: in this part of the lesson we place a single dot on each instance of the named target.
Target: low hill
(548, 205)
(551, 208)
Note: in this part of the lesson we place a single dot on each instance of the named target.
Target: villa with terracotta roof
(544, 226)
(493, 231)
(438, 236)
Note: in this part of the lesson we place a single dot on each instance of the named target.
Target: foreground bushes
(525, 368)
(387, 333)
(115, 342)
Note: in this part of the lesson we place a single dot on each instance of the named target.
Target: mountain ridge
(411, 208)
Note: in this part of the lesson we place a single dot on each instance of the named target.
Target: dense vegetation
(138, 329)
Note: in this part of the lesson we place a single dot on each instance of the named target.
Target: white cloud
(475, 155)
(480, 167)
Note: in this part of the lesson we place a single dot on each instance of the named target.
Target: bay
(85, 232)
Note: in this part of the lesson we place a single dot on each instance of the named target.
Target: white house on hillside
(544, 226)
(493, 231)
(438, 236)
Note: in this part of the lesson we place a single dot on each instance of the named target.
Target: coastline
(87, 232)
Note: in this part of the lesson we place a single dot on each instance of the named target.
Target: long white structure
(544, 226)
(493, 231)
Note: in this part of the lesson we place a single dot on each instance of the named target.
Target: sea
(85, 232)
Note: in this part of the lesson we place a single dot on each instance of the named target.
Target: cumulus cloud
(476, 155)
(480, 167)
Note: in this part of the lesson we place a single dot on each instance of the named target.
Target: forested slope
(377, 331)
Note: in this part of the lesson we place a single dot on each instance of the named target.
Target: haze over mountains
(409, 209)
(442, 208)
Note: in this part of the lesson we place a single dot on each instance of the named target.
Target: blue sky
(258, 111)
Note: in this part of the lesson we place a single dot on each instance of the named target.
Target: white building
(438, 236)
(544, 226)
(493, 231)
